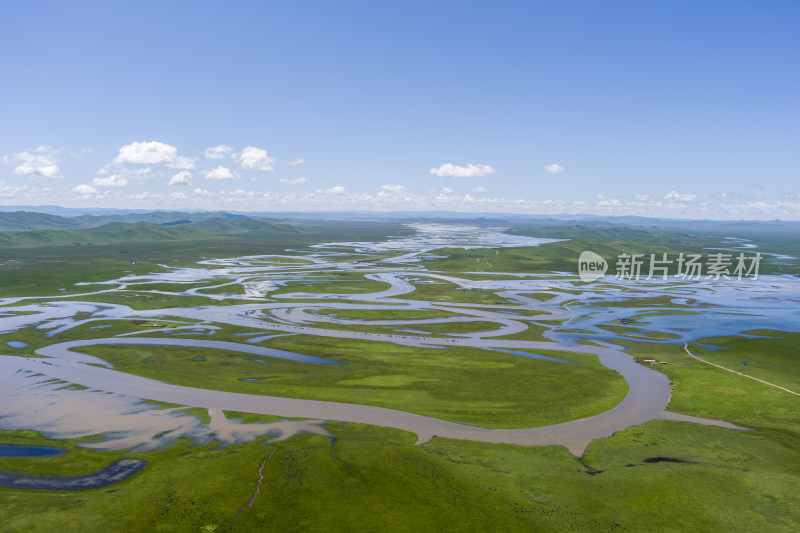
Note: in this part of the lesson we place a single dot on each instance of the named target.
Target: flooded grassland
(350, 358)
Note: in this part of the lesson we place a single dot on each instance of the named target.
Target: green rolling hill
(16, 221)
(115, 232)
(26, 221)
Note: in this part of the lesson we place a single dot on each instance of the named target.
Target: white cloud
(296, 181)
(642, 197)
(335, 190)
(84, 190)
(392, 192)
(448, 190)
(11, 191)
(81, 154)
(114, 180)
(147, 153)
(608, 202)
(146, 195)
(122, 176)
(219, 173)
(675, 196)
(480, 190)
(182, 162)
(184, 177)
(218, 152)
(297, 161)
(554, 168)
(152, 153)
(253, 158)
(449, 170)
(138, 173)
(40, 163)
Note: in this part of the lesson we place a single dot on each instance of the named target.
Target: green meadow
(446, 292)
(461, 384)
(702, 390)
(385, 314)
(658, 476)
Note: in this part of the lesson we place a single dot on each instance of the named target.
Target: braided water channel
(762, 301)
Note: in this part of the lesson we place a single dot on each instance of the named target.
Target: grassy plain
(609, 242)
(345, 286)
(42, 269)
(446, 292)
(385, 314)
(703, 390)
(461, 384)
(658, 476)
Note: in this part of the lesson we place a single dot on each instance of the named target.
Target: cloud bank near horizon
(149, 174)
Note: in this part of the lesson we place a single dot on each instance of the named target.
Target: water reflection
(565, 309)
(119, 422)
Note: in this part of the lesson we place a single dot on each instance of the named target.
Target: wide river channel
(112, 403)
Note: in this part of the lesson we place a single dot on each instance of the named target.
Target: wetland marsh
(364, 333)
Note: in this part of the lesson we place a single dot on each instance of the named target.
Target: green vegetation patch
(386, 314)
(467, 326)
(447, 292)
(392, 380)
(702, 390)
(458, 383)
(355, 286)
(659, 476)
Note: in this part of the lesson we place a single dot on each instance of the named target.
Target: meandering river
(572, 311)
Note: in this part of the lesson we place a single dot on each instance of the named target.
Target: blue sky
(682, 109)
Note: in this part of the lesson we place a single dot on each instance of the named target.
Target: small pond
(29, 451)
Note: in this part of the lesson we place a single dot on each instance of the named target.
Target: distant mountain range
(87, 217)
(29, 220)
(37, 229)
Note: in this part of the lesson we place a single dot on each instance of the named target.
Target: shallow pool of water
(16, 344)
(114, 473)
(29, 451)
